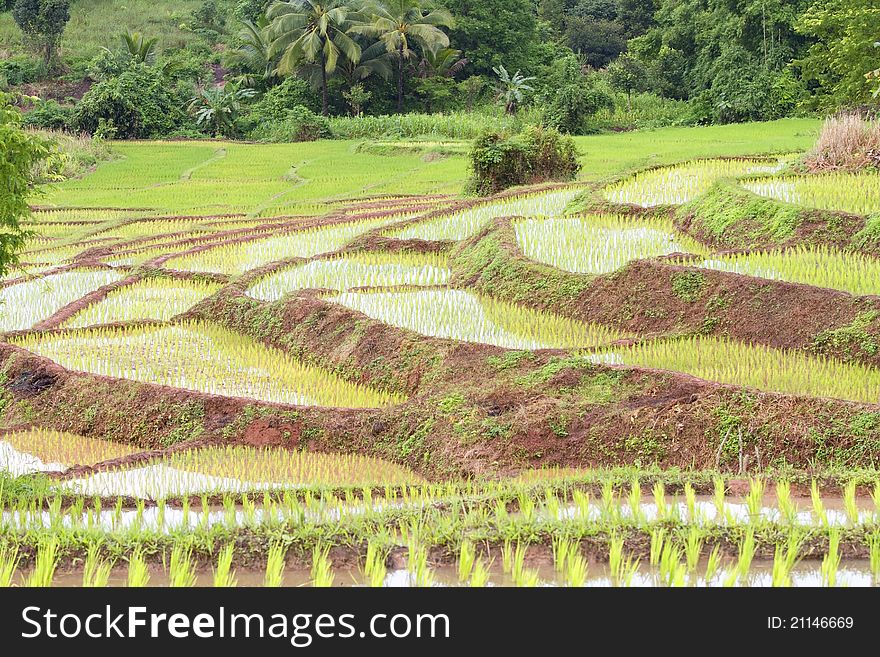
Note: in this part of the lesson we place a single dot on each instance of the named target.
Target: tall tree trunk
(324, 100)
(400, 79)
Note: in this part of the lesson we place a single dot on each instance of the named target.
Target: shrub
(299, 124)
(276, 103)
(49, 115)
(848, 142)
(20, 70)
(137, 104)
(459, 125)
(535, 155)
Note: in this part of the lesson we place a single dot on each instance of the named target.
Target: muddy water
(851, 573)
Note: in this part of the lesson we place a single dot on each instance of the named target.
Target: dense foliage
(20, 153)
(535, 155)
(577, 66)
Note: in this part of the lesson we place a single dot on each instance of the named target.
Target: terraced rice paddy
(240, 469)
(157, 299)
(235, 259)
(764, 368)
(64, 449)
(681, 183)
(845, 192)
(22, 305)
(466, 223)
(202, 358)
(354, 271)
(599, 244)
(460, 315)
(43, 254)
(817, 266)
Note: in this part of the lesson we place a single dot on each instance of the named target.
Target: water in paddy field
(166, 519)
(807, 573)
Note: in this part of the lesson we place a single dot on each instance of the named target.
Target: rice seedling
(713, 564)
(875, 495)
(276, 563)
(563, 548)
(421, 574)
(659, 492)
(45, 565)
(679, 184)
(581, 501)
(730, 577)
(820, 516)
(355, 271)
(157, 299)
(467, 557)
(755, 499)
(622, 569)
(600, 244)
(849, 503)
(873, 555)
(65, 449)
(787, 509)
(819, 266)
(757, 366)
(25, 304)
(479, 575)
(746, 555)
(858, 193)
(235, 259)
(182, 571)
(576, 568)
(39, 254)
(831, 560)
(670, 569)
(635, 502)
(693, 548)
(658, 540)
(465, 223)
(224, 575)
(205, 358)
(96, 571)
(374, 564)
(460, 315)
(9, 560)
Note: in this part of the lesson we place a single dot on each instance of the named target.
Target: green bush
(299, 124)
(137, 104)
(276, 104)
(20, 70)
(49, 115)
(533, 156)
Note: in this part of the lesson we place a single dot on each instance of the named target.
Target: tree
(43, 22)
(217, 108)
(400, 24)
(494, 32)
(251, 56)
(510, 88)
(446, 62)
(311, 32)
(629, 75)
(843, 33)
(20, 153)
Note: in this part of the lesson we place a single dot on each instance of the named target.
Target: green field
(556, 385)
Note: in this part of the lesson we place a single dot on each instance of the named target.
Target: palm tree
(312, 32)
(510, 88)
(446, 62)
(251, 55)
(398, 24)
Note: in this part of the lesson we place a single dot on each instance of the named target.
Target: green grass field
(86, 33)
(215, 177)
